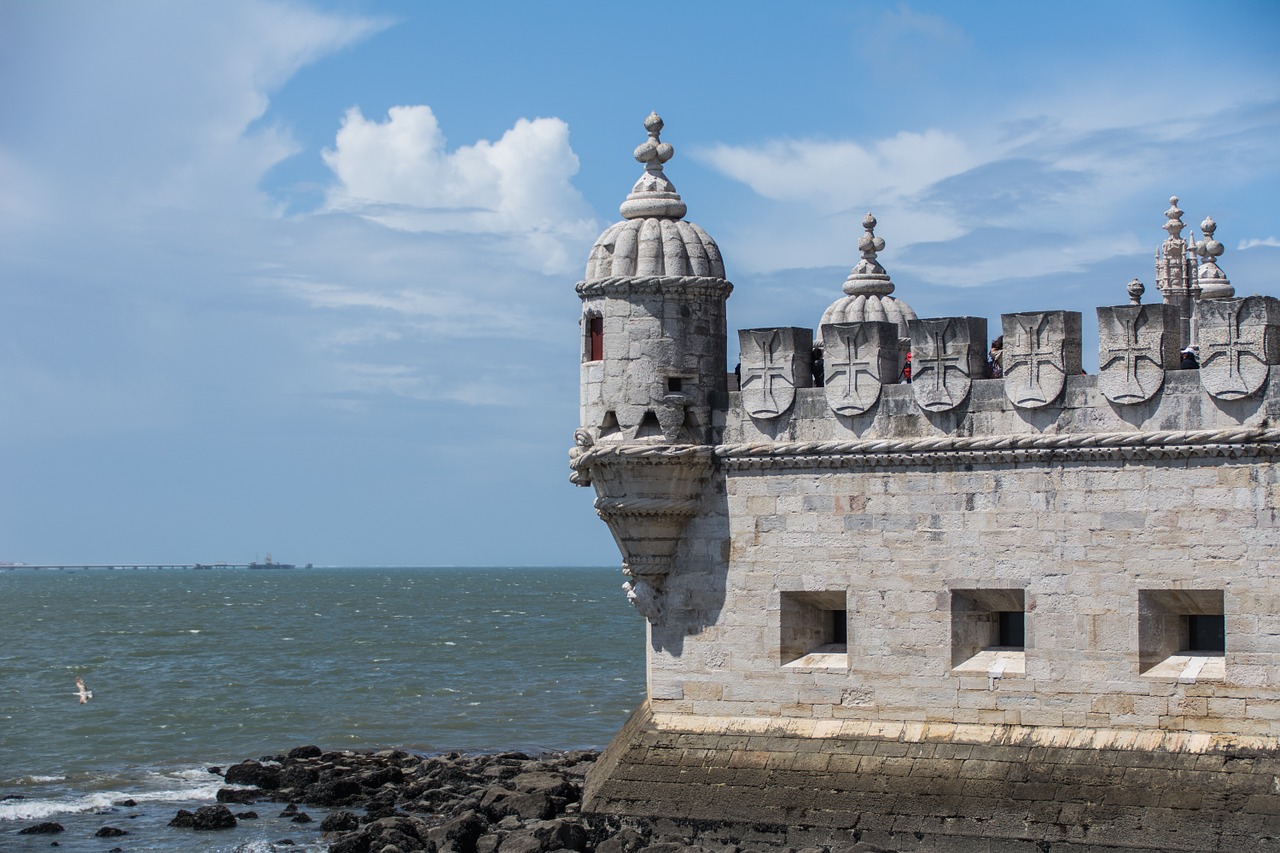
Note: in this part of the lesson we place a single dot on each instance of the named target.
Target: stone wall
(859, 791)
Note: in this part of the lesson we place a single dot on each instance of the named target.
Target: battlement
(863, 395)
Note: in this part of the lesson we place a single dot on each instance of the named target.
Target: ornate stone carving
(774, 363)
(1239, 340)
(1136, 345)
(648, 598)
(646, 494)
(1213, 282)
(1041, 349)
(1135, 289)
(859, 359)
(947, 354)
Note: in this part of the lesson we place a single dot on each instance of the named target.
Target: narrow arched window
(595, 338)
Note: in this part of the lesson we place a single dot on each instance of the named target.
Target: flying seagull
(83, 692)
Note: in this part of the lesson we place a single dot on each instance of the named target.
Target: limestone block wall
(1103, 549)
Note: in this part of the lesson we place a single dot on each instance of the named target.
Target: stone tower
(1176, 272)
(653, 370)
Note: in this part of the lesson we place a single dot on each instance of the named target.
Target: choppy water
(197, 668)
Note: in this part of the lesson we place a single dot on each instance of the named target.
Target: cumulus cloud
(399, 172)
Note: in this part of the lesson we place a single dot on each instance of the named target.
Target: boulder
(204, 818)
(253, 773)
(46, 828)
(339, 822)
(299, 752)
(109, 832)
(242, 796)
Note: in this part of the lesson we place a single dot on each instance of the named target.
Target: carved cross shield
(1239, 340)
(946, 353)
(1136, 344)
(859, 359)
(771, 368)
(1041, 348)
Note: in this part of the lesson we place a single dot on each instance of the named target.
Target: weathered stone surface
(859, 358)
(47, 827)
(775, 362)
(1041, 349)
(947, 354)
(1136, 345)
(1239, 341)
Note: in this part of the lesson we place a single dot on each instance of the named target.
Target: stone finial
(653, 195)
(1174, 226)
(1214, 283)
(1136, 289)
(868, 278)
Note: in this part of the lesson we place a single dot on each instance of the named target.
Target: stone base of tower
(762, 784)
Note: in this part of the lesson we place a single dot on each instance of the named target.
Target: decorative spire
(1136, 289)
(653, 195)
(1214, 283)
(1174, 226)
(868, 278)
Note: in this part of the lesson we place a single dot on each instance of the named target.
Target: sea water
(191, 669)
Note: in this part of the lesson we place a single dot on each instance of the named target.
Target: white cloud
(1255, 241)
(400, 173)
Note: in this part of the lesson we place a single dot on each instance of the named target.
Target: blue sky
(298, 277)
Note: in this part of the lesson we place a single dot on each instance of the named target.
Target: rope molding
(1166, 444)
(701, 285)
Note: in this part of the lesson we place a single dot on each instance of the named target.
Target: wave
(102, 802)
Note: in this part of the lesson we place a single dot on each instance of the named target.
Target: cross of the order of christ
(1033, 354)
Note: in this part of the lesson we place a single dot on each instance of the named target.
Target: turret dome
(653, 239)
(868, 289)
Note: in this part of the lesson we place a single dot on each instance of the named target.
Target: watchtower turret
(653, 316)
(653, 369)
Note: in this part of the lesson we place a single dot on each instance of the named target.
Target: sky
(298, 277)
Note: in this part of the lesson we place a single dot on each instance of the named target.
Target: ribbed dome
(653, 239)
(868, 288)
(860, 308)
(651, 246)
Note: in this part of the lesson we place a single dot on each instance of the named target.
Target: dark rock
(302, 817)
(298, 776)
(623, 841)
(109, 832)
(7, 797)
(284, 842)
(381, 776)
(551, 784)
(247, 815)
(339, 822)
(216, 771)
(242, 796)
(304, 752)
(204, 818)
(459, 835)
(336, 792)
(521, 842)
(126, 803)
(498, 803)
(252, 773)
(46, 828)
(289, 810)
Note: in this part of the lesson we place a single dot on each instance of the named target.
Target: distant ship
(271, 564)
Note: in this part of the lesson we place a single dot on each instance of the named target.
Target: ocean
(191, 669)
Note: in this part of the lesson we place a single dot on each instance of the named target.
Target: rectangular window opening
(1182, 634)
(814, 630)
(989, 632)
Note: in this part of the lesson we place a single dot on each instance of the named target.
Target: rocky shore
(509, 802)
